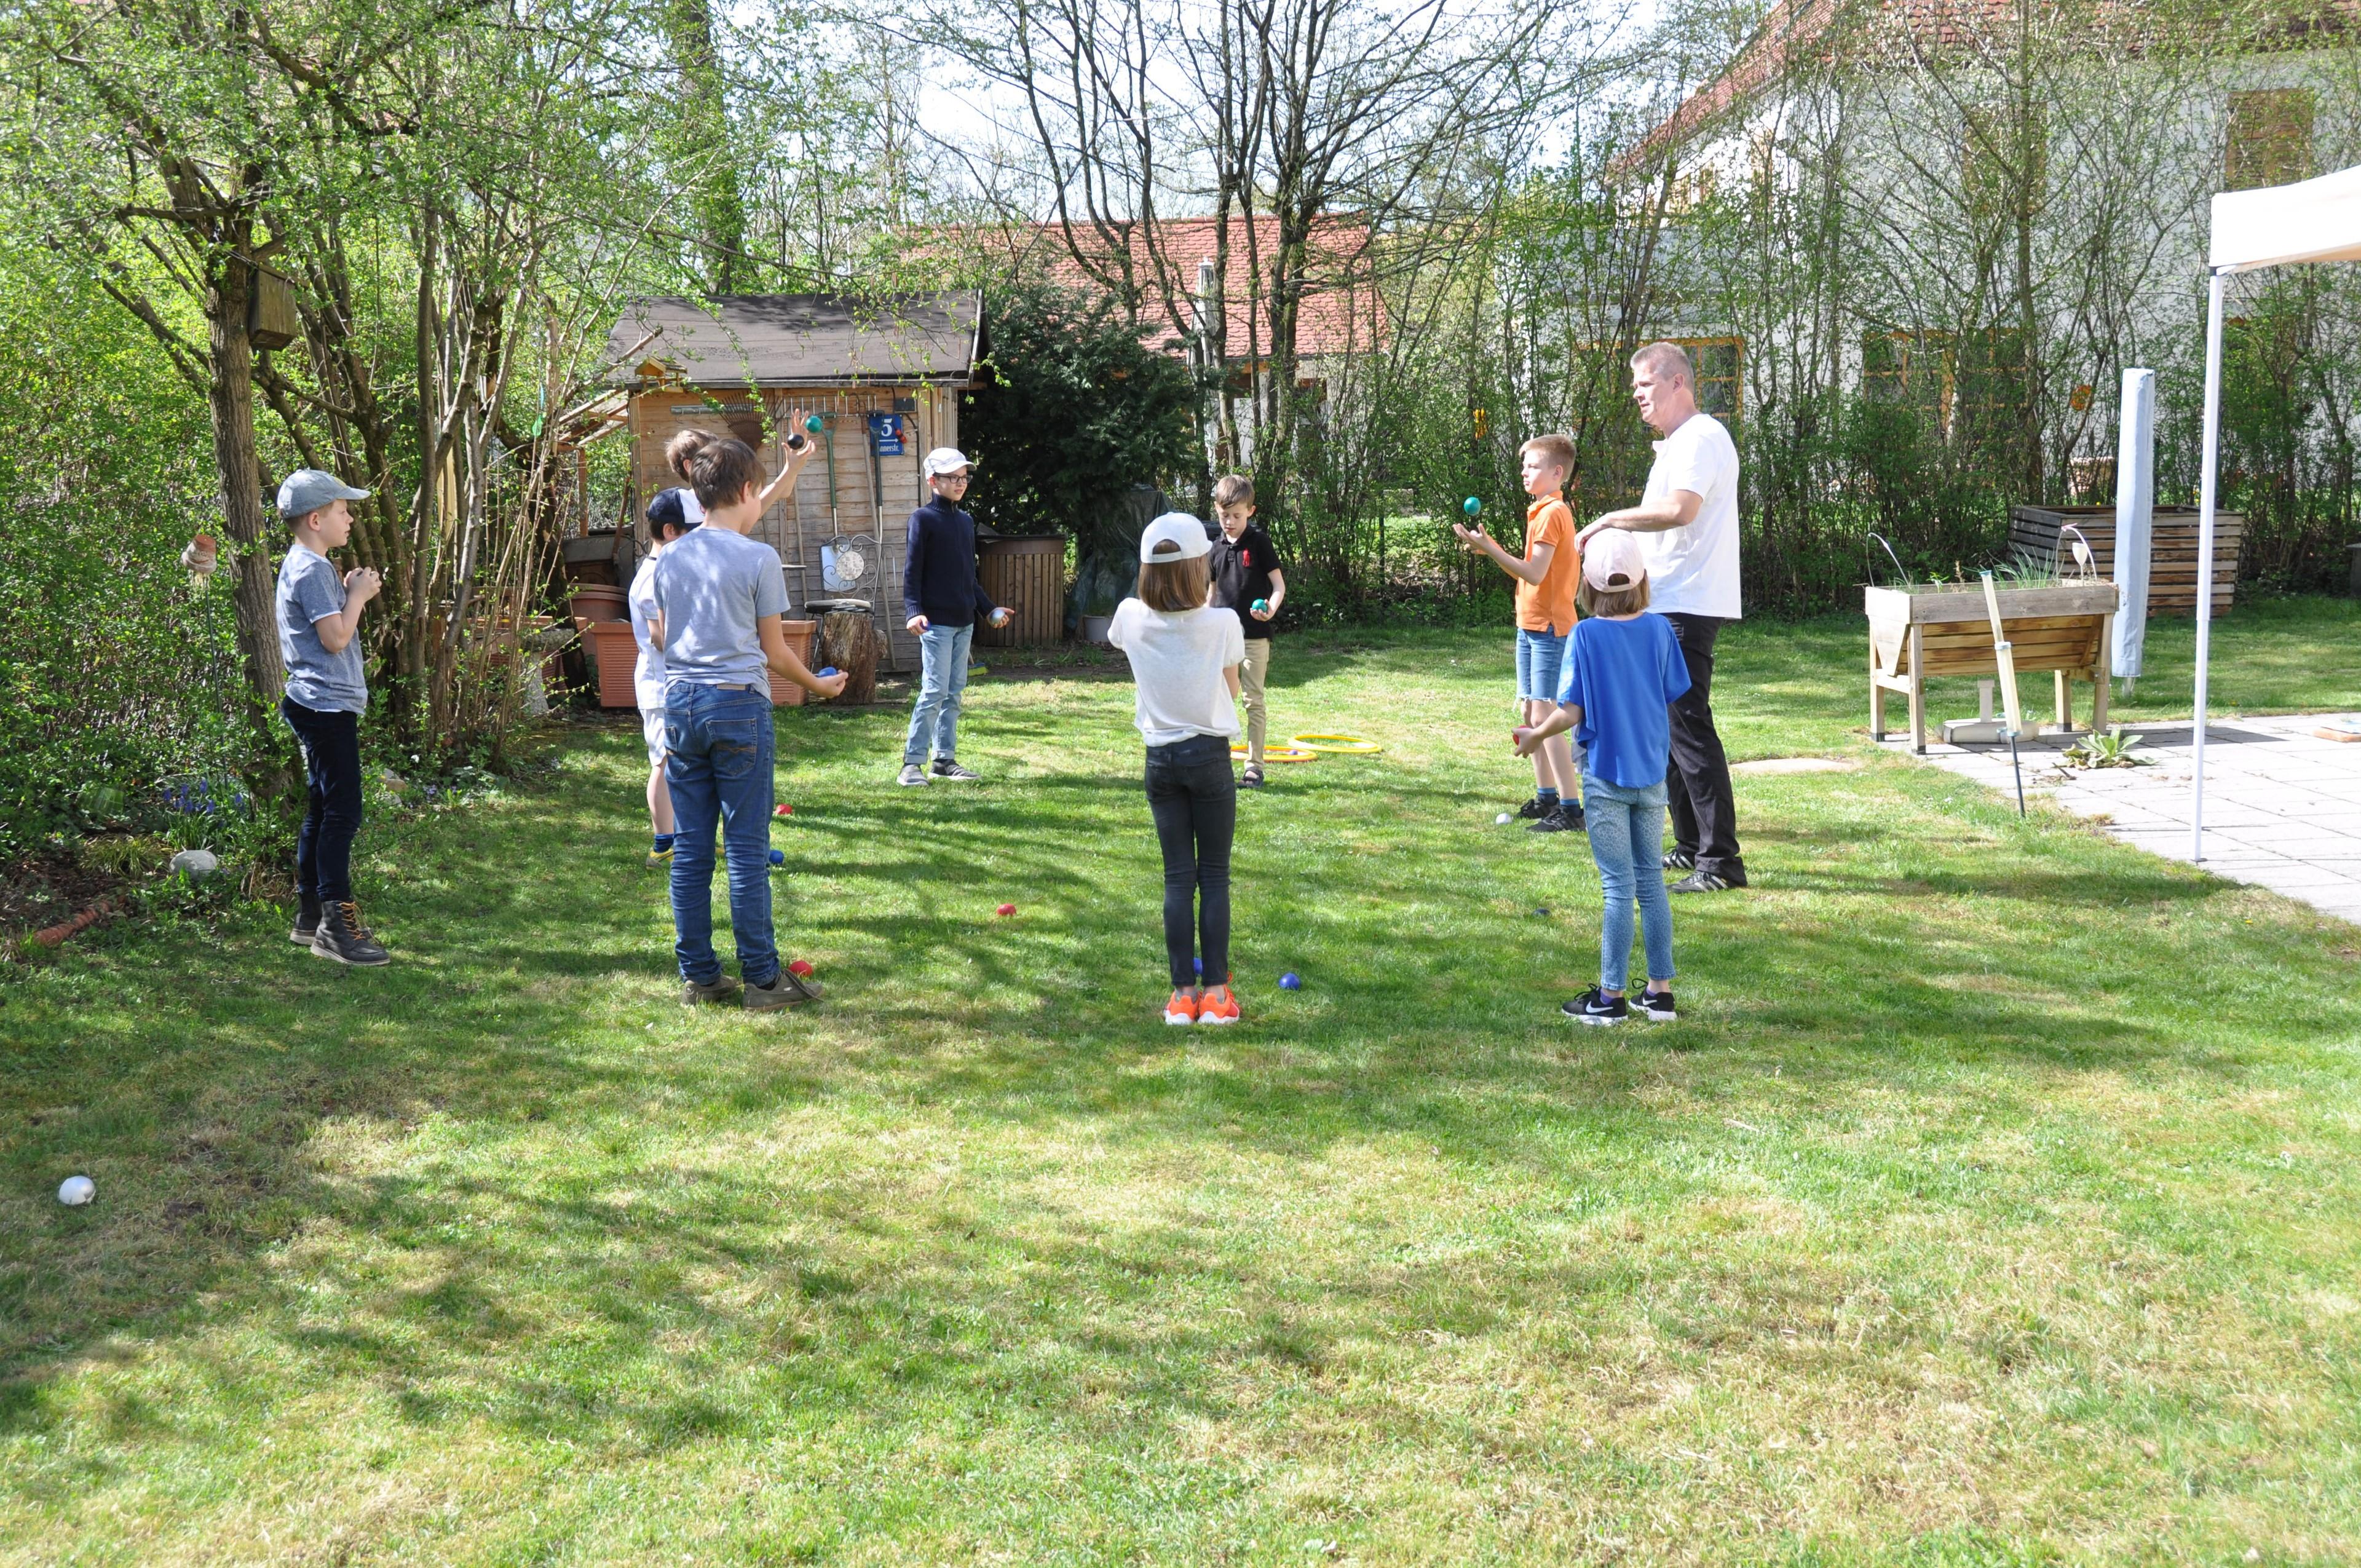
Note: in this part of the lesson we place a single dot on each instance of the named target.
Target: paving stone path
(2283, 804)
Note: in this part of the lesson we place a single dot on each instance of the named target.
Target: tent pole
(2216, 285)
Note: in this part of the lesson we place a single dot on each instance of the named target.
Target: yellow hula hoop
(1277, 753)
(1349, 745)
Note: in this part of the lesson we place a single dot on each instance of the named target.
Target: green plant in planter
(2113, 749)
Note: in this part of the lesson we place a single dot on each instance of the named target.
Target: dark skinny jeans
(331, 771)
(1193, 796)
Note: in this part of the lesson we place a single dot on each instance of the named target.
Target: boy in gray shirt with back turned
(319, 612)
(720, 600)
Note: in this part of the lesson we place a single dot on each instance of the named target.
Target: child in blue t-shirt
(318, 609)
(1623, 668)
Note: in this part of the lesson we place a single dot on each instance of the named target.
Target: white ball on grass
(1502, 819)
(76, 1191)
(196, 864)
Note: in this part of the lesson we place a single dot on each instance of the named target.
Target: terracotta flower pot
(597, 601)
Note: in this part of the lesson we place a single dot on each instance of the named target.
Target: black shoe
(1564, 818)
(1595, 1006)
(343, 938)
(1250, 779)
(1534, 808)
(785, 990)
(947, 769)
(1658, 1006)
(307, 922)
(1701, 882)
(722, 989)
(1680, 861)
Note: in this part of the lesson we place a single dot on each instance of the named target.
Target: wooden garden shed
(884, 375)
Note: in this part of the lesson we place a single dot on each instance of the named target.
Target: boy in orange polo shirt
(1547, 575)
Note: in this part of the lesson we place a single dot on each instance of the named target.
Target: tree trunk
(231, 398)
(715, 194)
(849, 640)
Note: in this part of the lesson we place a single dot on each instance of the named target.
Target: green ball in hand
(1473, 506)
(811, 423)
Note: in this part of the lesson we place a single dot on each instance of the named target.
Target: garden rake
(2006, 658)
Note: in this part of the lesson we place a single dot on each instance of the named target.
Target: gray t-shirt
(712, 585)
(310, 588)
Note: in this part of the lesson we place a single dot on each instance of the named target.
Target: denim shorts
(1541, 659)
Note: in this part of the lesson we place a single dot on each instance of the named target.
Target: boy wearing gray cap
(941, 598)
(319, 612)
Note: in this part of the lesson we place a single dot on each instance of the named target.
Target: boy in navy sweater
(941, 596)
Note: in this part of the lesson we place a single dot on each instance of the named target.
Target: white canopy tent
(2279, 225)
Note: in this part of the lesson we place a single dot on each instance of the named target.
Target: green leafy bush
(113, 671)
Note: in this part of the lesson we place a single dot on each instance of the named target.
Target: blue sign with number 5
(886, 434)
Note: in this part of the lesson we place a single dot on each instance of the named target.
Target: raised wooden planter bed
(2034, 533)
(1918, 633)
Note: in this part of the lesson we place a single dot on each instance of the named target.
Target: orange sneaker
(1217, 1006)
(1181, 1009)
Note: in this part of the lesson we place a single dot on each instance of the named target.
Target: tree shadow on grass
(206, 1087)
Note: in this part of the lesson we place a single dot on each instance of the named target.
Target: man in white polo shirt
(1688, 528)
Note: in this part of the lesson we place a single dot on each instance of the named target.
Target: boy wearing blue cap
(319, 613)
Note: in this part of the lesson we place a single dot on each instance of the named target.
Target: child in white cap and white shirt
(942, 598)
(1185, 656)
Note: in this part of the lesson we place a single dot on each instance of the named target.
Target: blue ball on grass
(1291, 980)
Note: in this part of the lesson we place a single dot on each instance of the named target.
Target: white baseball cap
(946, 460)
(1612, 553)
(1175, 528)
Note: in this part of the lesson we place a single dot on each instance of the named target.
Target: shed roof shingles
(793, 340)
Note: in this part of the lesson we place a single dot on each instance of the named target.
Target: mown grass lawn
(1995, 1201)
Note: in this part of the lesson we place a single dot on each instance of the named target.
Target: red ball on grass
(799, 967)
(1006, 909)
(783, 809)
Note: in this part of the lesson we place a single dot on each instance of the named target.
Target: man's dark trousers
(1705, 816)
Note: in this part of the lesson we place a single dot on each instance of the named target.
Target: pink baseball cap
(1611, 555)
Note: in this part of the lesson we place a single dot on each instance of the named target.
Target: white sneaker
(911, 774)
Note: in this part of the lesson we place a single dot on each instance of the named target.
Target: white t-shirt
(648, 675)
(1693, 570)
(1177, 659)
(692, 511)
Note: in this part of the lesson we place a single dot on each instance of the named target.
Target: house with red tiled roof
(1215, 311)
(1339, 311)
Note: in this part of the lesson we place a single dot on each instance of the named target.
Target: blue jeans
(943, 652)
(1627, 838)
(1541, 663)
(718, 764)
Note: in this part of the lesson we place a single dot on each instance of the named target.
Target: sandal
(1253, 779)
